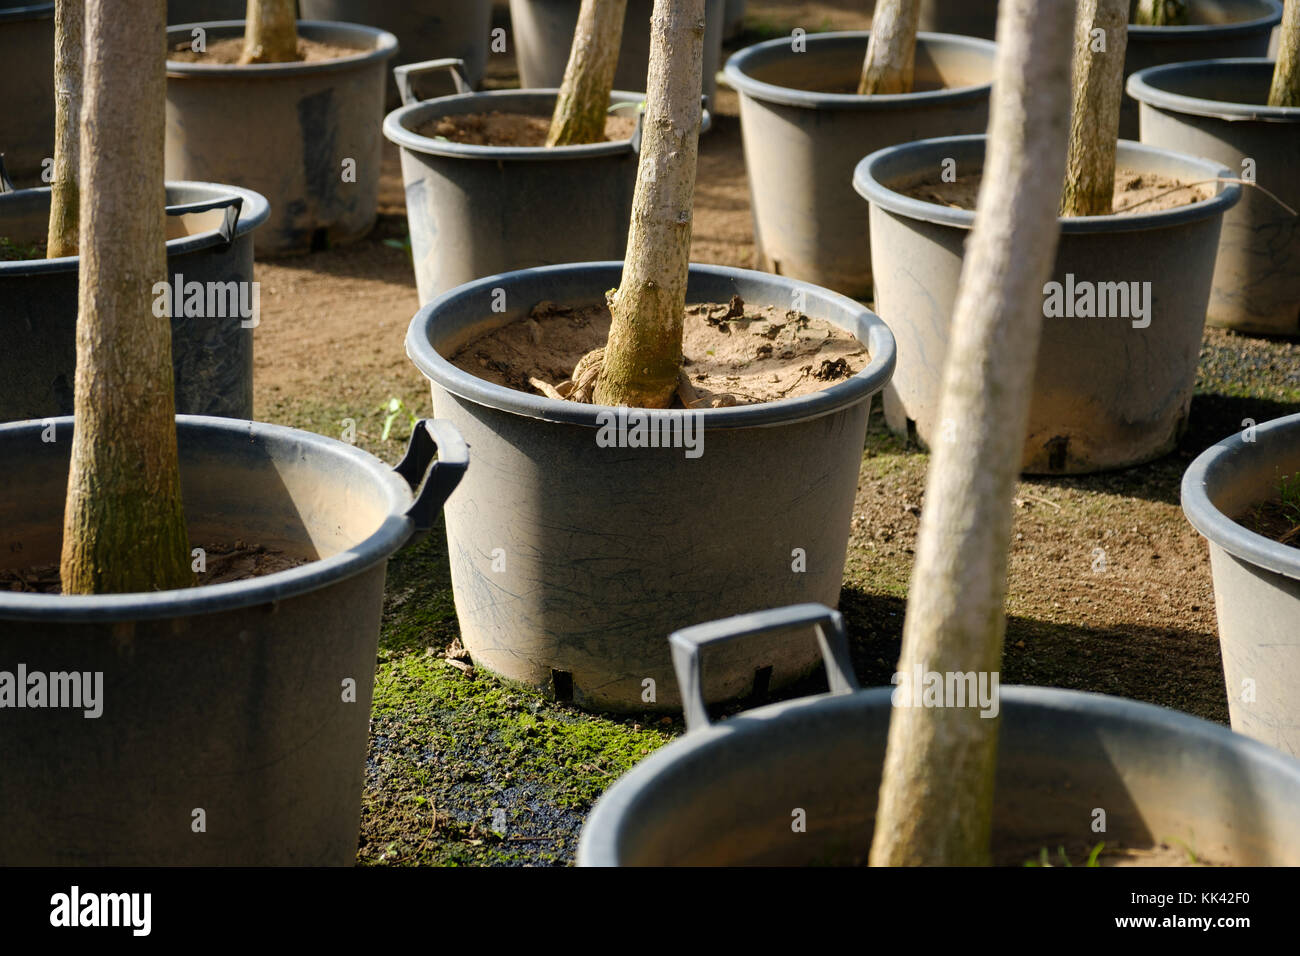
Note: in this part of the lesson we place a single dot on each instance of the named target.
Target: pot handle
(233, 205)
(408, 71)
(6, 186)
(432, 479)
(687, 643)
(706, 123)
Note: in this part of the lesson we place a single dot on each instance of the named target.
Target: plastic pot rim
(870, 188)
(1219, 528)
(743, 83)
(1201, 31)
(256, 210)
(874, 377)
(598, 841)
(33, 11)
(391, 534)
(1144, 87)
(383, 46)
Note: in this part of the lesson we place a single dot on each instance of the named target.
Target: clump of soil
(513, 129)
(1276, 519)
(228, 51)
(733, 354)
(17, 251)
(237, 562)
(1135, 192)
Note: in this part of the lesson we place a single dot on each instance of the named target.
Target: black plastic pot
(1256, 579)
(197, 11)
(570, 559)
(27, 117)
(730, 793)
(305, 135)
(212, 354)
(233, 718)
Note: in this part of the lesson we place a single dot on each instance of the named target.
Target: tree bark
(271, 32)
(583, 102)
(1094, 117)
(65, 196)
(891, 51)
(1285, 89)
(123, 529)
(1160, 13)
(936, 796)
(643, 356)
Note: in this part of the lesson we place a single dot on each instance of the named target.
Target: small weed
(11, 251)
(395, 409)
(1045, 859)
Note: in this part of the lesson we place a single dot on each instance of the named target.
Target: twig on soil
(1203, 182)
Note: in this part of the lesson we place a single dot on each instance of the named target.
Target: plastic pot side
(1108, 392)
(1256, 579)
(801, 146)
(1215, 109)
(571, 561)
(27, 119)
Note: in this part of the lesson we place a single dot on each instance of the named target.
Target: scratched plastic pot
(27, 118)
(1216, 109)
(427, 30)
(210, 229)
(724, 793)
(802, 142)
(1256, 579)
(1110, 390)
(571, 558)
(243, 705)
(543, 35)
(304, 135)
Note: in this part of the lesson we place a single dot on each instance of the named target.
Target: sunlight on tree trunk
(123, 529)
(891, 51)
(1100, 39)
(936, 796)
(1285, 89)
(1160, 13)
(583, 103)
(270, 32)
(65, 197)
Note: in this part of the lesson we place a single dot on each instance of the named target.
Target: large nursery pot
(570, 561)
(802, 141)
(543, 35)
(197, 11)
(1109, 391)
(1256, 579)
(210, 242)
(474, 211)
(27, 118)
(731, 793)
(232, 719)
(426, 30)
(1216, 109)
(305, 135)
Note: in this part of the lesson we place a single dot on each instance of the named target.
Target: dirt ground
(1109, 586)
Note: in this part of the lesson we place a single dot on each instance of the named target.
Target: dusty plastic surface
(542, 31)
(572, 562)
(304, 135)
(801, 146)
(196, 11)
(212, 354)
(425, 30)
(1216, 109)
(1109, 392)
(230, 699)
(1256, 579)
(27, 117)
(474, 211)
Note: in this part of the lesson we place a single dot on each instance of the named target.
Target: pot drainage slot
(762, 680)
(562, 685)
(320, 240)
(1056, 449)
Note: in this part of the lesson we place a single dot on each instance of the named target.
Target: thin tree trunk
(1285, 89)
(583, 102)
(891, 51)
(271, 32)
(936, 796)
(643, 357)
(123, 528)
(1160, 13)
(1094, 117)
(65, 197)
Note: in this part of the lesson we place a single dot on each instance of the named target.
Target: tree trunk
(1161, 13)
(891, 51)
(123, 527)
(643, 357)
(583, 102)
(1285, 89)
(271, 32)
(936, 796)
(65, 197)
(1094, 118)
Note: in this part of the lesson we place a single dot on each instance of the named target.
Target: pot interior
(1220, 81)
(1249, 474)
